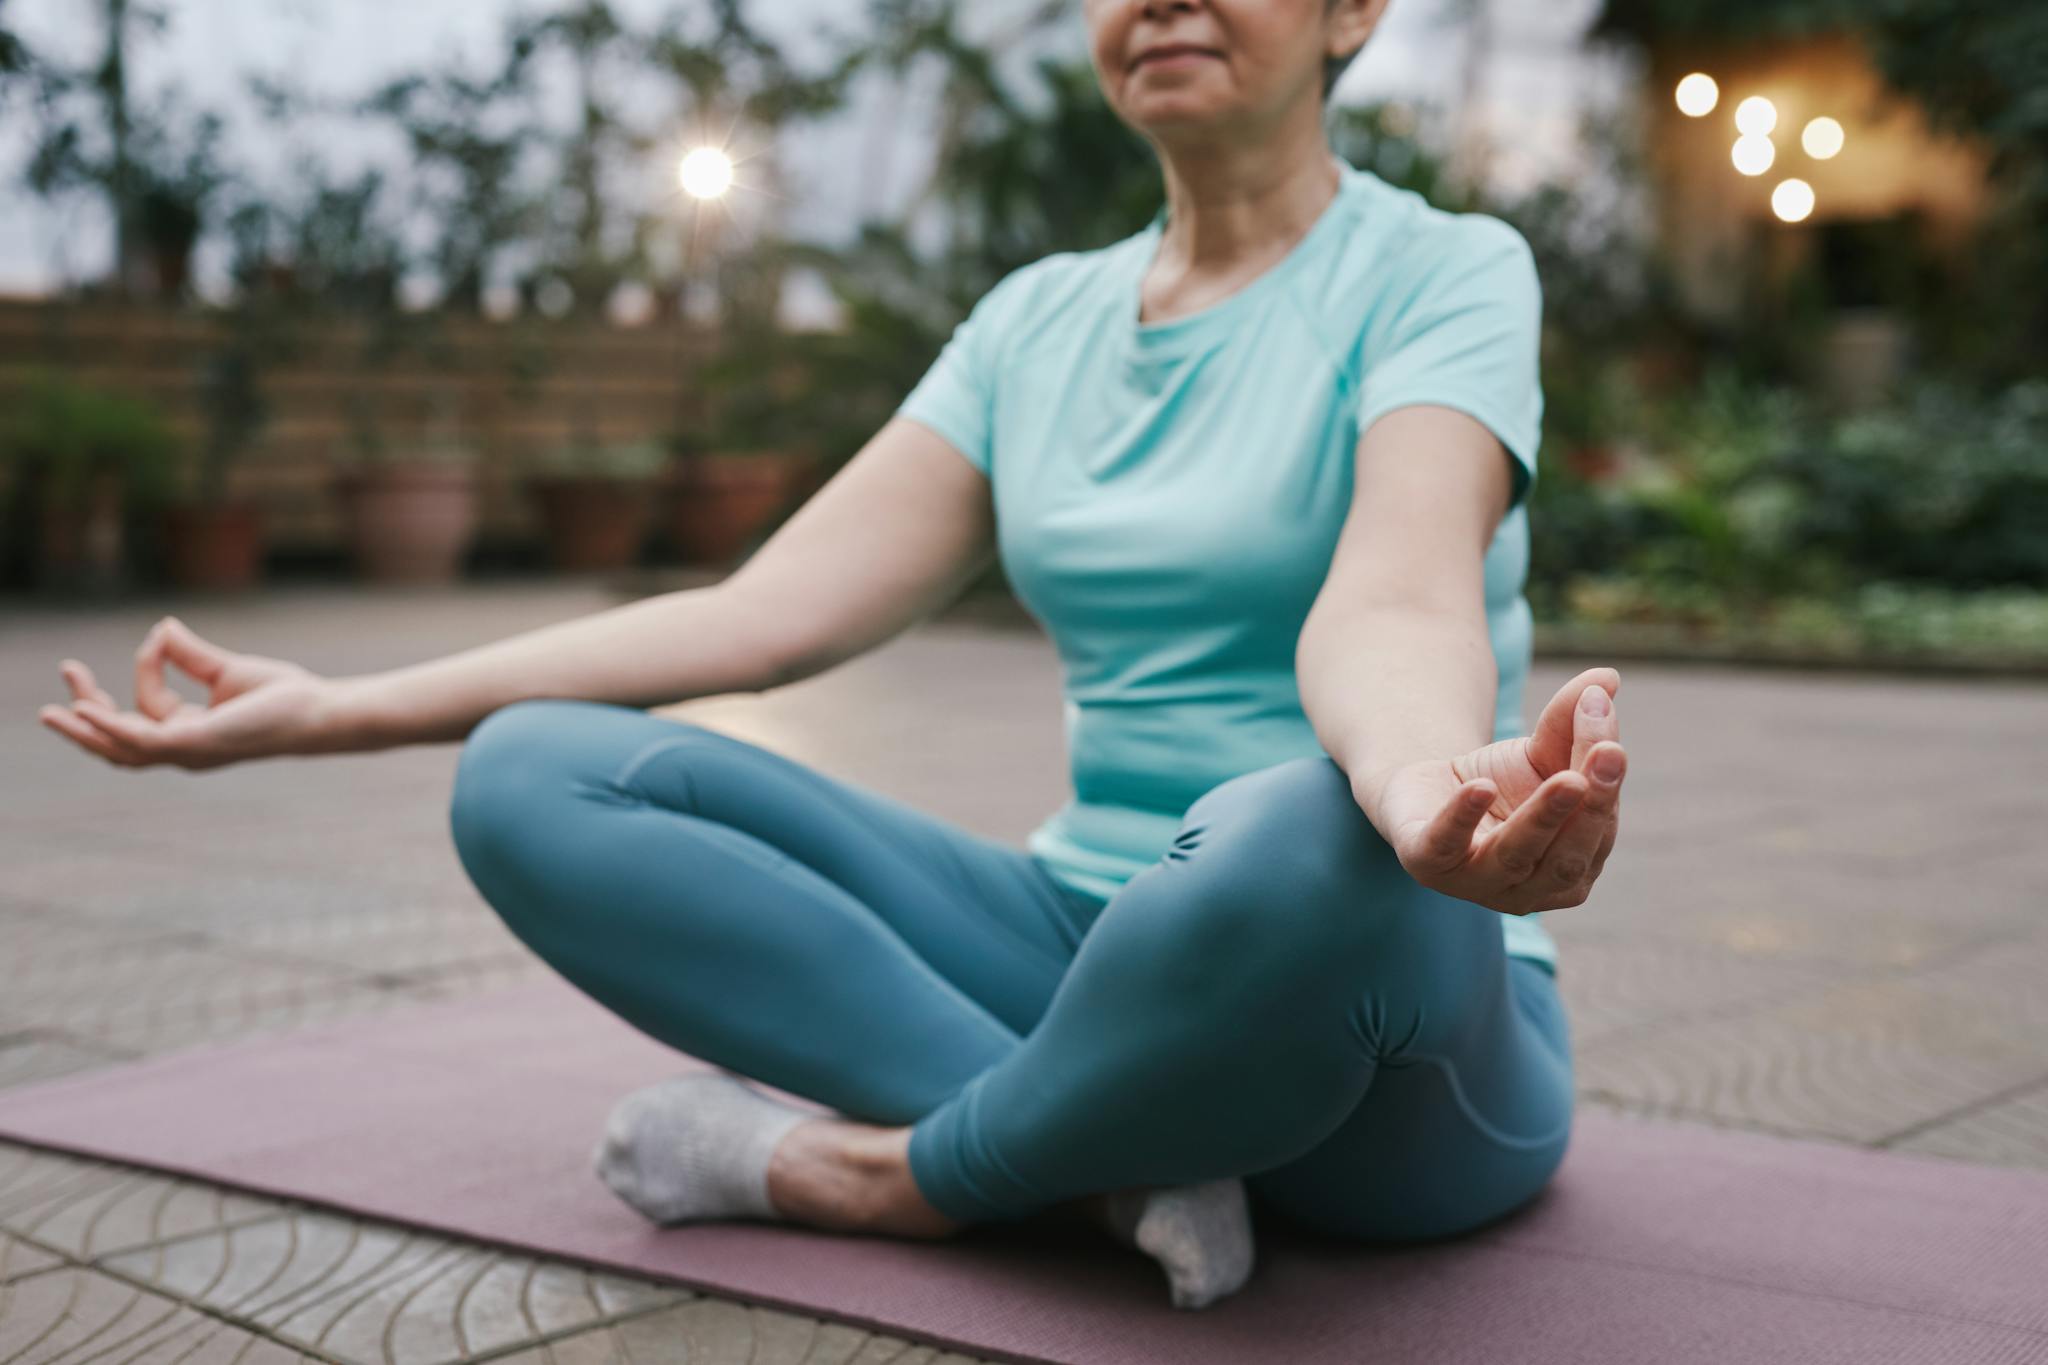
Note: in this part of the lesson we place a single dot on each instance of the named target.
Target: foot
(1200, 1234)
(708, 1145)
(694, 1147)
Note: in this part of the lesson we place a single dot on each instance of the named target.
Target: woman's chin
(1179, 112)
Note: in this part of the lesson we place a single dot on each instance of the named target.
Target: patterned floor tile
(357, 1291)
(2010, 1132)
(85, 1209)
(71, 1316)
(715, 1332)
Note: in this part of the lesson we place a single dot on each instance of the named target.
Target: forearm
(1386, 686)
(656, 651)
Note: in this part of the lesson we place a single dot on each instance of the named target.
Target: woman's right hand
(255, 707)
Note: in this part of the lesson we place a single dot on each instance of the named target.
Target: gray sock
(694, 1147)
(1201, 1234)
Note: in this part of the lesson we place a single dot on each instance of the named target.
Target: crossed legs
(1273, 999)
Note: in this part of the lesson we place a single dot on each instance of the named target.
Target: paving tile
(386, 939)
(18, 1258)
(2010, 1132)
(85, 1209)
(714, 1332)
(1774, 904)
(71, 1315)
(168, 892)
(1614, 986)
(1862, 1060)
(360, 1291)
(28, 1058)
(173, 996)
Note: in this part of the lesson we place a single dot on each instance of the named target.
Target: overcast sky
(866, 161)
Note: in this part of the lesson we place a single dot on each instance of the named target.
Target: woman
(1260, 469)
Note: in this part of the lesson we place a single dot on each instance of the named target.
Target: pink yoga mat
(1655, 1242)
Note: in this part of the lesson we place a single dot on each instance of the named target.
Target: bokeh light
(706, 173)
(1698, 94)
(1753, 154)
(1822, 138)
(1756, 116)
(1792, 200)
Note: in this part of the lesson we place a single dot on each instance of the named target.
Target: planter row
(415, 523)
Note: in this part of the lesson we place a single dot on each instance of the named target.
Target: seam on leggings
(1505, 1139)
(632, 766)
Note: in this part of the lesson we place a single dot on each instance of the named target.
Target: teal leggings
(1275, 998)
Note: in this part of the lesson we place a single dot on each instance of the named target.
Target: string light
(1753, 154)
(1822, 138)
(1792, 201)
(1697, 95)
(1756, 116)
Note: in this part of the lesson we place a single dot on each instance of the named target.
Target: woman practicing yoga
(1260, 470)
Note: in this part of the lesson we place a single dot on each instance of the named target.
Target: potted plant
(593, 500)
(214, 541)
(410, 511)
(81, 456)
(732, 479)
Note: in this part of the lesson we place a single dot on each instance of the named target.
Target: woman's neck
(1233, 209)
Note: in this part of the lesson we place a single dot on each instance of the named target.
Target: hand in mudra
(255, 706)
(1519, 825)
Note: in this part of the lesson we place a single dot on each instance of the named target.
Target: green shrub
(68, 432)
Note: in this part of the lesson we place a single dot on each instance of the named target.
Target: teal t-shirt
(1168, 495)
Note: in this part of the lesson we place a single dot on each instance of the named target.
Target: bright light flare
(1697, 95)
(1753, 155)
(1756, 116)
(1822, 139)
(1792, 201)
(705, 173)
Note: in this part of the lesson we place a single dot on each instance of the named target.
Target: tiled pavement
(1826, 918)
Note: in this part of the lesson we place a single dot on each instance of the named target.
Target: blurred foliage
(1741, 494)
(61, 434)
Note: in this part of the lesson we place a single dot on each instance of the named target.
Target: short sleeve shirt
(1169, 495)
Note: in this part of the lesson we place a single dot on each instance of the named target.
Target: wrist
(1368, 789)
(347, 716)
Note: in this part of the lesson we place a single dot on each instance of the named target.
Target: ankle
(851, 1177)
(811, 1179)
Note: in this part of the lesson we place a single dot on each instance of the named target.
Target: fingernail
(1594, 700)
(1607, 765)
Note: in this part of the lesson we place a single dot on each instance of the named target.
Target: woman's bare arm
(892, 536)
(1397, 676)
(895, 534)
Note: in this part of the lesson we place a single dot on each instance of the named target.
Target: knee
(510, 761)
(1285, 868)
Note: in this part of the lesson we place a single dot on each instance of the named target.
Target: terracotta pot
(592, 523)
(721, 501)
(83, 541)
(409, 523)
(214, 547)
(1595, 462)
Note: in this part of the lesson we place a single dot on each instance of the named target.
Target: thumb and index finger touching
(172, 639)
(1575, 721)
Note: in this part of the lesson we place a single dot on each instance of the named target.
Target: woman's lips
(1179, 57)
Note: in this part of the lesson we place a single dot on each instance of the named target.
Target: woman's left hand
(1519, 825)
